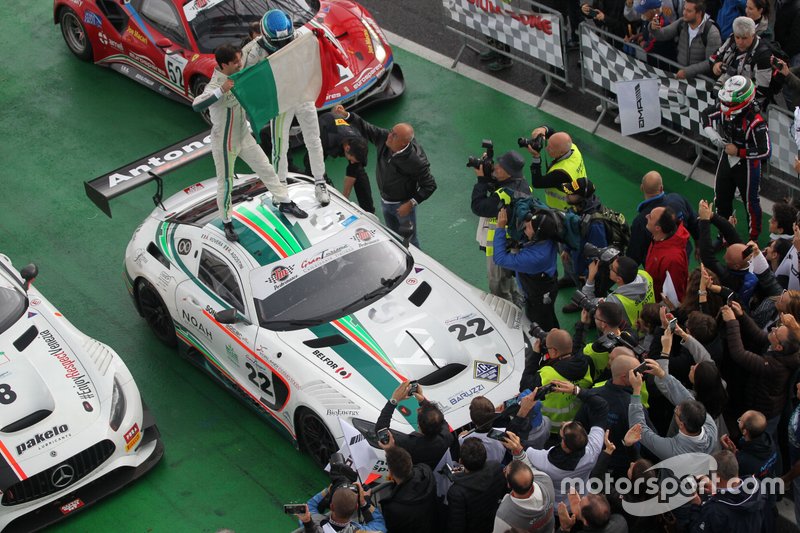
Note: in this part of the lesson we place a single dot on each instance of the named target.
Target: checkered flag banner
(782, 138)
(682, 102)
(535, 34)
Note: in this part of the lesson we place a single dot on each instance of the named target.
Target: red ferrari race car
(168, 45)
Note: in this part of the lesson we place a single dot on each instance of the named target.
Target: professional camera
(610, 340)
(544, 391)
(486, 162)
(605, 255)
(584, 302)
(537, 143)
(341, 475)
(537, 332)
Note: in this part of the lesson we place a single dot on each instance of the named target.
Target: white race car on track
(72, 425)
(315, 319)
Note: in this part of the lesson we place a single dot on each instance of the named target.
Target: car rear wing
(104, 188)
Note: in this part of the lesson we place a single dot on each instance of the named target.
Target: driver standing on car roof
(231, 138)
(277, 31)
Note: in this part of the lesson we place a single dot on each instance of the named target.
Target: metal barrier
(534, 30)
(682, 101)
(784, 149)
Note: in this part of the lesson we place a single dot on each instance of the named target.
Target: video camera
(609, 341)
(536, 143)
(604, 255)
(486, 163)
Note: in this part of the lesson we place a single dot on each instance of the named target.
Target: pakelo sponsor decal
(74, 371)
(132, 436)
(457, 398)
(44, 439)
(335, 367)
(486, 371)
(93, 19)
(74, 505)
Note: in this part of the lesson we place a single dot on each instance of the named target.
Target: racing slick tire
(199, 83)
(74, 33)
(155, 313)
(315, 439)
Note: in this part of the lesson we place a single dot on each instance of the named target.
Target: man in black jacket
(411, 504)
(433, 438)
(402, 171)
(473, 498)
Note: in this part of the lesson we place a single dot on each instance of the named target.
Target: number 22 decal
(461, 330)
(259, 380)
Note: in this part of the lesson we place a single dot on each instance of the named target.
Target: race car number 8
(7, 395)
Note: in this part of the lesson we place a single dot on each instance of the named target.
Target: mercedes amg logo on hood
(44, 439)
(74, 371)
(62, 476)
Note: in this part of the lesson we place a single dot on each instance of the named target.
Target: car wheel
(315, 439)
(155, 313)
(198, 86)
(75, 34)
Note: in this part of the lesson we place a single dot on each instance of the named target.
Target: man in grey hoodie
(529, 507)
(634, 287)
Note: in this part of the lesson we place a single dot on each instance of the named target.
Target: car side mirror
(228, 316)
(164, 43)
(406, 231)
(29, 273)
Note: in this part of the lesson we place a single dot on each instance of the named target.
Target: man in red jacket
(667, 252)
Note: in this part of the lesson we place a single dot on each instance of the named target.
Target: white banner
(535, 34)
(357, 449)
(639, 107)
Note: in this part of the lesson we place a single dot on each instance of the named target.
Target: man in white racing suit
(231, 138)
(276, 32)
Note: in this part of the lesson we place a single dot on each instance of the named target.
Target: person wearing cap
(654, 15)
(737, 126)
(584, 202)
(489, 194)
(340, 139)
(566, 165)
(534, 264)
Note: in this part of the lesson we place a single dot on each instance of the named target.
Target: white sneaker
(321, 194)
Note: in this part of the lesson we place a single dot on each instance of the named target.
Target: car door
(156, 35)
(218, 286)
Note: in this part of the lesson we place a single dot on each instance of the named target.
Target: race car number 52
(175, 64)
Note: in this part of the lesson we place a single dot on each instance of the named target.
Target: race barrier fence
(535, 30)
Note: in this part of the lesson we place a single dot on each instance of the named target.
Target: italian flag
(294, 74)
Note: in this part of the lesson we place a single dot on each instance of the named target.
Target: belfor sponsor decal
(44, 439)
(335, 367)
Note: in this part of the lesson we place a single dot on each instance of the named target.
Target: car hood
(426, 329)
(51, 393)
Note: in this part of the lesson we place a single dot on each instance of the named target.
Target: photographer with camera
(556, 363)
(534, 264)
(609, 318)
(566, 163)
(634, 287)
(345, 502)
(433, 438)
(497, 187)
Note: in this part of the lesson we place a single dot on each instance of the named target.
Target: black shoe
(501, 64)
(571, 307)
(230, 234)
(290, 208)
(566, 281)
(488, 55)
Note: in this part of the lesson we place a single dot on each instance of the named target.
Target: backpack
(618, 232)
(565, 225)
(682, 24)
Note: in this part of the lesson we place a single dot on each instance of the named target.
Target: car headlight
(118, 406)
(368, 430)
(377, 43)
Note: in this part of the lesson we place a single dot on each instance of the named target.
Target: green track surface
(65, 121)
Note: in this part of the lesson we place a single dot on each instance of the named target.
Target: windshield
(12, 305)
(218, 22)
(338, 287)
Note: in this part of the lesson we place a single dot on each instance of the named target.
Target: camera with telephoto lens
(611, 340)
(486, 163)
(537, 332)
(536, 144)
(584, 302)
(341, 475)
(604, 255)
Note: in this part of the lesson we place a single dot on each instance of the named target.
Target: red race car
(168, 45)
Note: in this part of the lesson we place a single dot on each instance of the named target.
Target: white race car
(74, 428)
(317, 319)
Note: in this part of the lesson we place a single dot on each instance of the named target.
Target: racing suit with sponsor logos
(280, 126)
(749, 132)
(231, 138)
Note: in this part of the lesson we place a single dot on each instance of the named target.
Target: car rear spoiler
(104, 188)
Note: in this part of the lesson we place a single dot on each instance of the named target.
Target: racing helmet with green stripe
(736, 95)
(277, 29)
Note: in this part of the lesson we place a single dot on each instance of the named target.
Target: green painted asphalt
(64, 121)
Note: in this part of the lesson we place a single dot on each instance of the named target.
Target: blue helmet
(276, 29)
